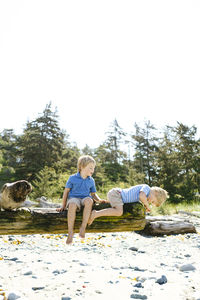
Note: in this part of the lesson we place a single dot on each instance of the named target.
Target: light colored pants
(78, 201)
(114, 197)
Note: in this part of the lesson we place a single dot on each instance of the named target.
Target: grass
(172, 208)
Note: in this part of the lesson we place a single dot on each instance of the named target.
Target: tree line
(44, 155)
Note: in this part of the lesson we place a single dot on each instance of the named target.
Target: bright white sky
(100, 60)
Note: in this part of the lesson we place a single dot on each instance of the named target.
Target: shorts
(78, 201)
(114, 197)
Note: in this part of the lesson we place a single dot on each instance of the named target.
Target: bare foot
(82, 233)
(69, 239)
(92, 217)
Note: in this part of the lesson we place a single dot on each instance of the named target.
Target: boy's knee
(72, 206)
(88, 202)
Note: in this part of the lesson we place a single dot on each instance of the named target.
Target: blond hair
(161, 195)
(83, 161)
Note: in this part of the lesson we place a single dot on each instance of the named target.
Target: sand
(123, 265)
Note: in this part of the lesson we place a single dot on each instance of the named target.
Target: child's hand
(100, 200)
(104, 201)
(147, 209)
(60, 209)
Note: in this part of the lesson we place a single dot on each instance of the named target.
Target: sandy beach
(123, 265)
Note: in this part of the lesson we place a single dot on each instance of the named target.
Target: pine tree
(145, 141)
(41, 144)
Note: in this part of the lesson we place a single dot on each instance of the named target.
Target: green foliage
(8, 156)
(41, 144)
(43, 155)
(49, 184)
(178, 162)
(145, 142)
(169, 208)
(135, 177)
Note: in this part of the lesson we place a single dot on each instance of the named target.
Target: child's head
(160, 196)
(84, 160)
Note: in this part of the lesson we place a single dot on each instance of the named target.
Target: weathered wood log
(48, 220)
(167, 226)
(194, 213)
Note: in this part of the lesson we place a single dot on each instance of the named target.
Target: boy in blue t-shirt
(117, 197)
(80, 191)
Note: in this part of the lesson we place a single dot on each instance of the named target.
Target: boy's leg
(88, 202)
(71, 215)
(113, 211)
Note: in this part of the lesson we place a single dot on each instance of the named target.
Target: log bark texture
(167, 226)
(48, 220)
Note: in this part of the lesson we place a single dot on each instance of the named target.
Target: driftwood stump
(157, 226)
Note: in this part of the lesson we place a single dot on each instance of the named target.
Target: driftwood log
(48, 220)
(166, 226)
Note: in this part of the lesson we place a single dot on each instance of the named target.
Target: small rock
(28, 273)
(13, 296)
(36, 288)
(133, 249)
(141, 279)
(98, 292)
(188, 267)
(138, 285)
(83, 264)
(138, 269)
(138, 296)
(56, 272)
(14, 259)
(187, 255)
(162, 280)
(66, 298)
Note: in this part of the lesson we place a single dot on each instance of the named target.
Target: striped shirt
(132, 194)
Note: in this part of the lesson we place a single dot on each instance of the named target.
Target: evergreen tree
(145, 142)
(49, 184)
(167, 163)
(112, 157)
(179, 162)
(8, 156)
(189, 159)
(114, 141)
(41, 144)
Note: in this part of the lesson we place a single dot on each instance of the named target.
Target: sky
(97, 61)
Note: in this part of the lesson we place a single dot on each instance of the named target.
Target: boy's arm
(96, 198)
(64, 202)
(143, 199)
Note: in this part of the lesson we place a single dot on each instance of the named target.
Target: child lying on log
(117, 197)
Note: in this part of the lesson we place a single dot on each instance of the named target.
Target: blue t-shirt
(132, 194)
(79, 187)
